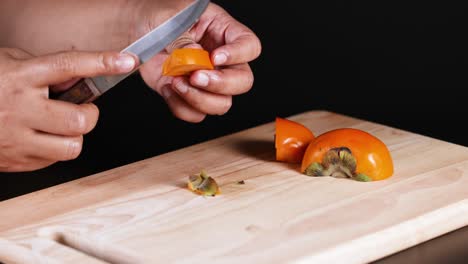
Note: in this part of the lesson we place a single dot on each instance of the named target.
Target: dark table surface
(401, 65)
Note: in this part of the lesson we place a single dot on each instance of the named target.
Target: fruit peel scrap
(202, 184)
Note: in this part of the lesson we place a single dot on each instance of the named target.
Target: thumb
(61, 67)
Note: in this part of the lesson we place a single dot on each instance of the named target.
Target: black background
(398, 64)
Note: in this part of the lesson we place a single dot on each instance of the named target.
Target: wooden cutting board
(142, 212)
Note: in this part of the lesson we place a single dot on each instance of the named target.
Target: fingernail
(202, 79)
(220, 58)
(125, 62)
(181, 87)
(166, 92)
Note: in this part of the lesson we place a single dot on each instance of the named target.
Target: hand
(112, 25)
(232, 46)
(35, 131)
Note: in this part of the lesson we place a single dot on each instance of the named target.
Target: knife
(89, 89)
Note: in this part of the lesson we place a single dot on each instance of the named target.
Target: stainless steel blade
(156, 40)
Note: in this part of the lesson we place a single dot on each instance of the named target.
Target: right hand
(36, 131)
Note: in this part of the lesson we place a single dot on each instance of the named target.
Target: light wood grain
(12, 253)
(41, 251)
(278, 216)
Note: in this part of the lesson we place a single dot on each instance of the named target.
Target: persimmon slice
(186, 60)
(291, 140)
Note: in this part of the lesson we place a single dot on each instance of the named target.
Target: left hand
(232, 46)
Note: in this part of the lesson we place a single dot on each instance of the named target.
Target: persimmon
(348, 153)
(291, 140)
(183, 61)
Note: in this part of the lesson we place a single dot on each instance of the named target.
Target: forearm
(55, 25)
(52, 25)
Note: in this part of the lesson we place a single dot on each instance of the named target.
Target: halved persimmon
(291, 140)
(186, 60)
(348, 153)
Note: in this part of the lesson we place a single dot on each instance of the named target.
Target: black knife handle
(83, 91)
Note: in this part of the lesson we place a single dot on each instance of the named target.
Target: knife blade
(89, 89)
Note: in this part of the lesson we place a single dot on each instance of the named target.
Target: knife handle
(83, 91)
